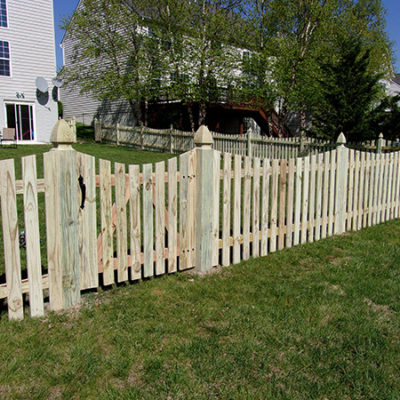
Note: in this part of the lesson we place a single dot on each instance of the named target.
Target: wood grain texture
(121, 222)
(332, 179)
(325, 196)
(135, 222)
(246, 208)
(87, 224)
(274, 204)
(350, 192)
(32, 236)
(216, 206)
(106, 222)
(318, 194)
(148, 225)
(226, 212)
(282, 204)
(237, 183)
(306, 193)
(12, 258)
(297, 202)
(290, 203)
(159, 216)
(172, 215)
(311, 203)
(256, 208)
(265, 199)
(53, 231)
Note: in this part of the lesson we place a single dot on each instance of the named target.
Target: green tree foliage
(386, 118)
(348, 92)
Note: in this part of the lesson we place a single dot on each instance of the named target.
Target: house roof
(396, 78)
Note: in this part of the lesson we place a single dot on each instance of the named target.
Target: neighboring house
(223, 115)
(27, 52)
(393, 86)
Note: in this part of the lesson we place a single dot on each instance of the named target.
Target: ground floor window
(20, 117)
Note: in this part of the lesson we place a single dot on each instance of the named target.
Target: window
(20, 117)
(4, 59)
(3, 14)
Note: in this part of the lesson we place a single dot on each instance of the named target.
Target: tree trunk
(190, 112)
(202, 113)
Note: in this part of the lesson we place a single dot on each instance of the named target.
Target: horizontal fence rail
(108, 223)
(175, 141)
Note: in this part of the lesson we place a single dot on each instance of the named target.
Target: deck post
(249, 142)
(61, 181)
(204, 199)
(97, 130)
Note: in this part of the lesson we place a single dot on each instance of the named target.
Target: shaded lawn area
(114, 153)
(319, 321)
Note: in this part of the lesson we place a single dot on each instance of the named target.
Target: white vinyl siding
(30, 34)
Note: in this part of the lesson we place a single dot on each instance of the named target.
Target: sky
(65, 8)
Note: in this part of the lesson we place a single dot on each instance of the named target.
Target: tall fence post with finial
(341, 184)
(61, 196)
(379, 144)
(204, 199)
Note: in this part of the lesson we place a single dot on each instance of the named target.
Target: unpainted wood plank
(87, 221)
(361, 191)
(256, 207)
(274, 204)
(371, 189)
(357, 167)
(226, 213)
(32, 236)
(290, 202)
(297, 201)
(237, 182)
(380, 190)
(184, 217)
(366, 189)
(396, 182)
(172, 215)
(246, 208)
(325, 196)
(311, 203)
(148, 225)
(306, 194)
(12, 258)
(265, 198)
(135, 231)
(350, 192)
(159, 216)
(282, 204)
(215, 219)
(318, 194)
(332, 179)
(53, 231)
(389, 189)
(106, 222)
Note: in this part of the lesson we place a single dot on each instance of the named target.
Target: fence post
(204, 199)
(142, 136)
(171, 145)
(341, 184)
(301, 144)
(249, 143)
(379, 144)
(117, 133)
(97, 130)
(61, 181)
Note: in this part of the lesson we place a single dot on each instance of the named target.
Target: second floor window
(4, 59)
(3, 14)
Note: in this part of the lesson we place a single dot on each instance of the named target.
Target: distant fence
(198, 210)
(175, 141)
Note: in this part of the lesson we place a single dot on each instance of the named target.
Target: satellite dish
(57, 82)
(42, 85)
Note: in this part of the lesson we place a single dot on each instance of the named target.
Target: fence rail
(198, 210)
(175, 141)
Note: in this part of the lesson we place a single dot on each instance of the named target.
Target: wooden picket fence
(175, 141)
(198, 210)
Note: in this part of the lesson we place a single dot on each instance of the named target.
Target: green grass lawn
(319, 321)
